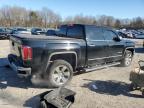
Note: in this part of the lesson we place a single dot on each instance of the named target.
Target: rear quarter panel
(43, 49)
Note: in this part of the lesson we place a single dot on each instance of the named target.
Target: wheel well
(70, 58)
(131, 49)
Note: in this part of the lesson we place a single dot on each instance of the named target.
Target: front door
(96, 46)
(115, 47)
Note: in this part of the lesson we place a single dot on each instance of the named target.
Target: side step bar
(101, 67)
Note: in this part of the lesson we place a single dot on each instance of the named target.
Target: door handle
(92, 45)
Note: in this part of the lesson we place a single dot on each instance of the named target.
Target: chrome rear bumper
(21, 71)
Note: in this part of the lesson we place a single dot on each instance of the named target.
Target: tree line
(45, 18)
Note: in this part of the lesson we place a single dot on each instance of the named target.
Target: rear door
(96, 46)
(115, 47)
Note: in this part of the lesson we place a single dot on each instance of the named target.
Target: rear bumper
(21, 71)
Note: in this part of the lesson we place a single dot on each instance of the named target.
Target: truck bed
(41, 37)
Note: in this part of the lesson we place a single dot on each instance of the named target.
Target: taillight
(26, 53)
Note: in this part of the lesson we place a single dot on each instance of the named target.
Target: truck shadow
(33, 102)
(10, 78)
(139, 50)
(111, 87)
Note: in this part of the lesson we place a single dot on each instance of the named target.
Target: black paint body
(81, 52)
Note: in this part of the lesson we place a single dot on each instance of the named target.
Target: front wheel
(43, 104)
(59, 73)
(127, 60)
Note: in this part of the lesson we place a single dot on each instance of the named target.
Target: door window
(94, 33)
(109, 35)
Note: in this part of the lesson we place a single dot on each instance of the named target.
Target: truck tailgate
(15, 58)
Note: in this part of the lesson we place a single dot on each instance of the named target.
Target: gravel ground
(106, 88)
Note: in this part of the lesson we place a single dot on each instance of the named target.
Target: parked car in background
(123, 35)
(133, 34)
(141, 31)
(130, 34)
(37, 31)
(51, 32)
(76, 47)
(139, 36)
(126, 34)
(20, 31)
(4, 34)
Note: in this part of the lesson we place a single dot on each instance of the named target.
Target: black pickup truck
(75, 48)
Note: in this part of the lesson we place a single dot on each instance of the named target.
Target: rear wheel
(59, 73)
(127, 59)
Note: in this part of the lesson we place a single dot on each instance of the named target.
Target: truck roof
(86, 25)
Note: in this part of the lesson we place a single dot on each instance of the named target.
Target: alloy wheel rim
(61, 74)
(128, 59)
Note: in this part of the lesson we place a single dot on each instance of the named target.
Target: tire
(43, 104)
(59, 73)
(127, 60)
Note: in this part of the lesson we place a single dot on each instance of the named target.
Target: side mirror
(118, 38)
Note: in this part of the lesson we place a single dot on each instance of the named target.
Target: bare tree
(49, 18)
(80, 19)
(19, 16)
(6, 16)
(117, 24)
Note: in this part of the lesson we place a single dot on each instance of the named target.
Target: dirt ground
(105, 88)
